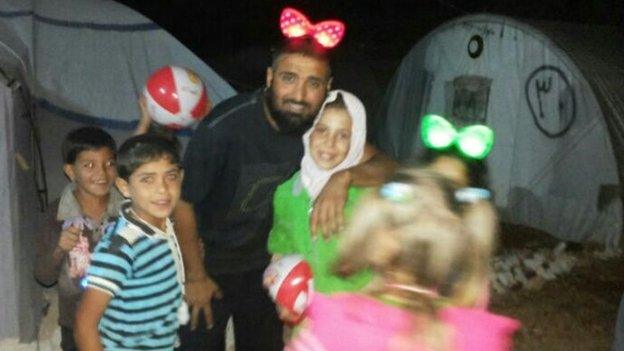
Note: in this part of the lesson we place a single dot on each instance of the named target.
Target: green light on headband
(436, 132)
(473, 141)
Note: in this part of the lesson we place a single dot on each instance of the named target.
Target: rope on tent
(39, 173)
(6, 77)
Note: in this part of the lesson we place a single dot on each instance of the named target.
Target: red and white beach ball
(289, 282)
(176, 97)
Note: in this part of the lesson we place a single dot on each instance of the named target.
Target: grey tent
(90, 60)
(63, 64)
(553, 94)
(20, 301)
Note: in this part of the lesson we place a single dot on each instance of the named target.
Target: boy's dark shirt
(69, 289)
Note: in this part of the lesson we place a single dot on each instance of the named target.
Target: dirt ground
(576, 311)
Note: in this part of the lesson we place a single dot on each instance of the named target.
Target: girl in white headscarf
(317, 165)
(335, 142)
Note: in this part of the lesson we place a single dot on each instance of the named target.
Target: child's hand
(79, 258)
(287, 316)
(69, 238)
(146, 120)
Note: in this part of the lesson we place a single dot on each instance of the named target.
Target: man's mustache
(302, 103)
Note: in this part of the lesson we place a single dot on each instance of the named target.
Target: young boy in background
(134, 285)
(75, 222)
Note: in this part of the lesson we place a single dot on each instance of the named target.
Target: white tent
(20, 301)
(553, 94)
(63, 64)
(90, 60)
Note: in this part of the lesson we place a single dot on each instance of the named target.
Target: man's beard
(291, 123)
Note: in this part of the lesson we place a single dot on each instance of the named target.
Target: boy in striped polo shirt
(134, 286)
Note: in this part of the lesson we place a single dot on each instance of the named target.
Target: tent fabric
(9, 326)
(20, 299)
(64, 64)
(599, 55)
(555, 108)
(90, 62)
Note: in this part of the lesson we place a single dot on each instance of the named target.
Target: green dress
(291, 235)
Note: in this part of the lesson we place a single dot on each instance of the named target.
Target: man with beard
(238, 155)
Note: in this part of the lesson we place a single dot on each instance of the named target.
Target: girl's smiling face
(331, 138)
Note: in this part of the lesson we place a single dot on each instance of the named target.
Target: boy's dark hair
(303, 46)
(477, 169)
(83, 139)
(162, 131)
(141, 149)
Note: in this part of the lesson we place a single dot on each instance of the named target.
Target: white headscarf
(313, 177)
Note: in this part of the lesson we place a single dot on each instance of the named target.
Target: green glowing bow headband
(472, 141)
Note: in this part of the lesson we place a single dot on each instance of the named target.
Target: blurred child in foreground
(428, 243)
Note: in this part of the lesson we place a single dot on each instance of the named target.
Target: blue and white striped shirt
(141, 268)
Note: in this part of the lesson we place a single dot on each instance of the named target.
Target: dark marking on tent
(551, 100)
(475, 46)
(607, 195)
(483, 28)
(467, 99)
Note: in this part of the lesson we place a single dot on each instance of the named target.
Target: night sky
(234, 37)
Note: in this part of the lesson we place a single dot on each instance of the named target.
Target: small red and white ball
(176, 97)
(289, 282)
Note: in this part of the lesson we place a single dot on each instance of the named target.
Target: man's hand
(200, 289)
(327, 213)
(199, 295)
